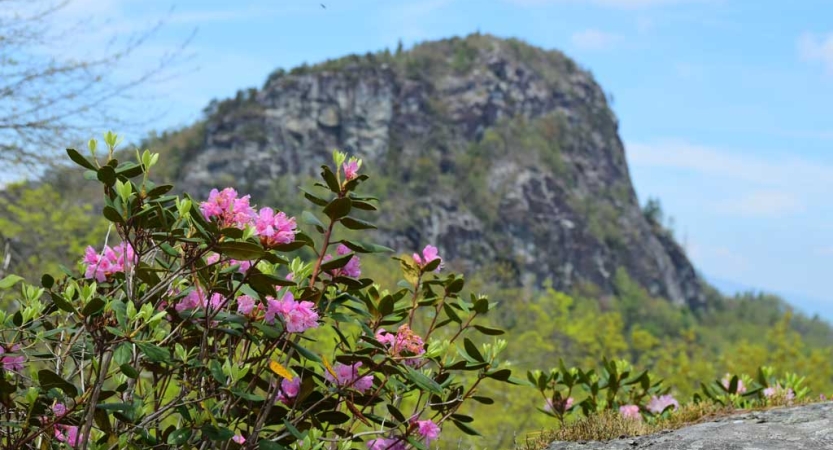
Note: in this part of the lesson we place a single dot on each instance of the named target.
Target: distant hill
(504, 155)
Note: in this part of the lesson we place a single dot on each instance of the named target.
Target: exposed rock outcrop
(799, 428)
(508, 154)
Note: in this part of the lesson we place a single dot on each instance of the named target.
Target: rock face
(501, 154)
(799, 428)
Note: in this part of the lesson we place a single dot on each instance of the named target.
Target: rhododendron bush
(198, 323)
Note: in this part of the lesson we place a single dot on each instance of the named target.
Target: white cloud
(592, 39)
(817, 48)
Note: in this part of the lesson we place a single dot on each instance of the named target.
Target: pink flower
(349, 376)
(245, 305)
(298, 316)
(229, 210)
(405, 343)
(351, 168)
(59, 409)
(239, 439)
(565, 405)
(429, 253)
(387, 444)
(351, 269)
(71, 438)
(779, 391)
(110, 261)
(727, 381)
(630, 412)
(12, 363)
(428, 430)
(289, 390)
(658, 404)
(274, 229)
(196, 299)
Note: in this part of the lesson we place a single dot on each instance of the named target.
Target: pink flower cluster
(239, 439)
(298, 316)
(196, 299)
(348, 376)
(404, 343)
(396, 443)
(108, 262)
(429, 253)
(68, 434)
(247, 305)
(630, 412)
(351, 269)
(727, 381)
(289, 389)
(11, 363)
(779, 391)
(351, 169)
(215, 258)
(658, 404)
(427, 430)
(229, 210)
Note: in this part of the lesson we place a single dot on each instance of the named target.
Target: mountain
(504, 155)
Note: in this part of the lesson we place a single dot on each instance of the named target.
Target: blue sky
(724, 106)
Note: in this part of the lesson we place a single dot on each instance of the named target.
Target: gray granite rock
(797, 428)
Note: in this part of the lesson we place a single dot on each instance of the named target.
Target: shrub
(217, 325)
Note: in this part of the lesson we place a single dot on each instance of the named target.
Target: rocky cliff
(504, 155)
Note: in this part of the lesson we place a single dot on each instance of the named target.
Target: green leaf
(179, 436)
(217, 371)
(112, 215)
(423, 381)
(129, 371)
(481, 306)
(306, 353)
(115, 406)
(10, 281)
(338, 208)
(292, 430)
(472, 350)
(332, 417)
(216, 433)
(330, 178)
(309, 218)
(396, 413)
(159, 190)
(248, 395)
(489, 331)
(263, 444)
(47, 281)
(357, 224)
(129, 170)
(241, 251)
(500, 375)
(153, 352)
(358, 204)
(451, 313)
(465, 428)
(94, 306)
(80, 160)
(366, 247)
(484, 400)
(313, 198)
(106, 175)
(49, 379)
(337, 263)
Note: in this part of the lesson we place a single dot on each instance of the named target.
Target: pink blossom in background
(778, 390)
(387, 444)
(349, 376)
(215, 258)
(727, 381)
(274, 228)
(658, 404)
(630, 412)
(429, 253)
(245, 305)
(550, 407)
(239, 439)
(405, 340)
(110, 261)
(351, 269)
(67, 434)
(59, 409)
(298, 316)
(228, 209)
(196, 299)
(351, 169)
(289, 390)
(12, 363)
(428, 431)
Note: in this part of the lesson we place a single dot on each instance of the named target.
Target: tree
(47, 99)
